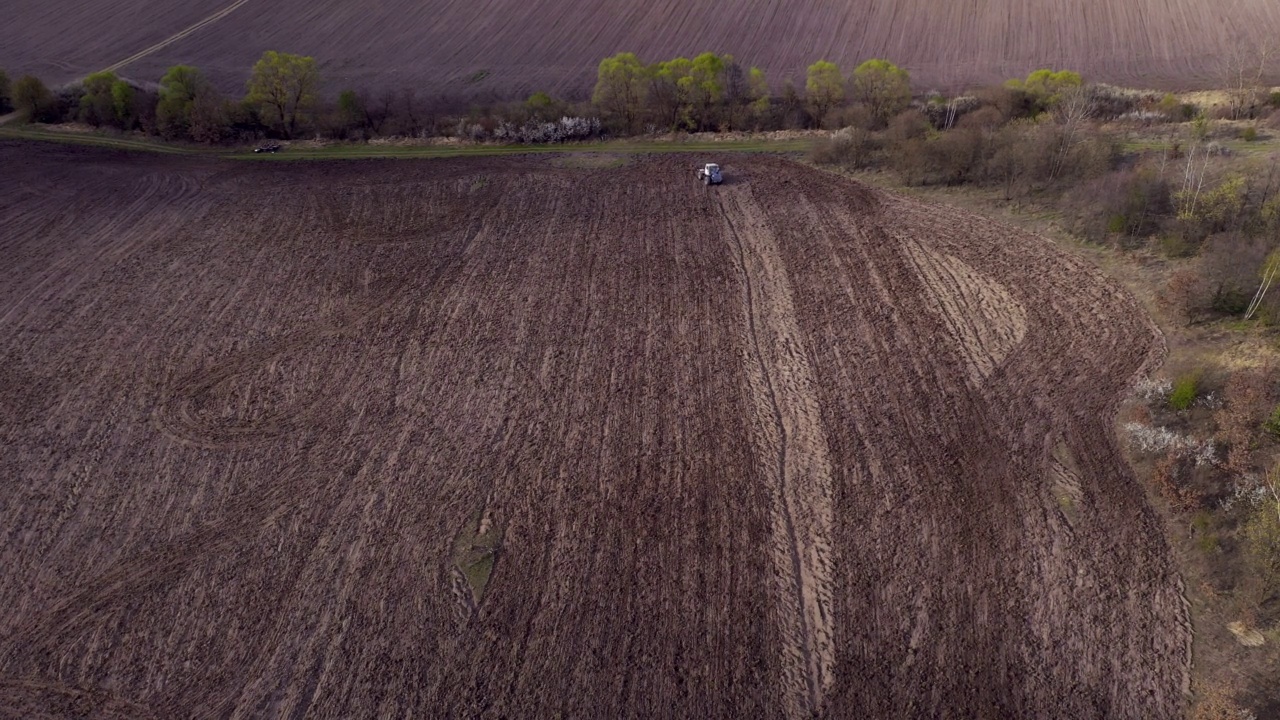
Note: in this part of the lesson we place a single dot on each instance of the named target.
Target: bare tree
(411, 111)
(1244, 69)
(1270, 269)
(1072, 112)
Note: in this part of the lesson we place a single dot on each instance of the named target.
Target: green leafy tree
(672, 91)
(97, 105)
(883, 87)
(1046, 87)
(123, 97)
(759, 89)
(706, 84)
(6, 93)
(178, 91)
(621, 88)
(284, 87)
(351, 109)
(543, 107)
(825, 87)
(32, 97)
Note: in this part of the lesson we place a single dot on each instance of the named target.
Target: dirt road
(459, 438)
(176, 36)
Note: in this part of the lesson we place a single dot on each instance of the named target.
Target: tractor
(709, 174)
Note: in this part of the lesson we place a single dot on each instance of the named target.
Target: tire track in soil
(177, 36)
(790, 425)
(984, 320)
(304, 576)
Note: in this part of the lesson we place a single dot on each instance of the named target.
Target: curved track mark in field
(781, 383)
(983, 319)
(176, 37)
(177, 419)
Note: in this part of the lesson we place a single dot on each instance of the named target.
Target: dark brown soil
(501, 438)
(515, 47)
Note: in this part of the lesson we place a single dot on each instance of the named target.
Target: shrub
(945, 114)
(950, 158)
(1185, 293)
(1272, 425)
(31, 96)
(1168, 477)
(1011, 102)
(908, 125)
(1217, 703)
(1213, 210)
(1185, 390)
(852, 116)
(1110, 102)
(1247, 401)
(1250, 134)
(1133, 203)
(1169, 105)
(1262, 543)
(1045, 87)
(1230, 264)
(6, 93)
(852, 147)
(987, 117)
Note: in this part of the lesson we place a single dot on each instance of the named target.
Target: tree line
(706, 93)
(709, 92)
(715, 92)
(280, 96)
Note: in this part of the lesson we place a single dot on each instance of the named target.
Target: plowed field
(520, 46)
(513, 439)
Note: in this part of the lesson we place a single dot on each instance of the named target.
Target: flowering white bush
(1206, 453)
(1150, 439)
(1246, 490)
(1153, 389)
(563, 130)
(470, 130)
(1147, 117)
(1211, 400)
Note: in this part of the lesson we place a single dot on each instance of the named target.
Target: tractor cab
(709, 174)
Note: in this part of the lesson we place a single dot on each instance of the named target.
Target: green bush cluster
(1272, 425)
(1185, 391)
(280, 98)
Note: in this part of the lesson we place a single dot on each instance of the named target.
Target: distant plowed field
(517, 439)
(508, 46)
